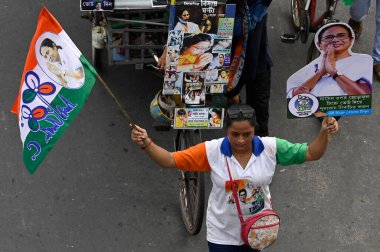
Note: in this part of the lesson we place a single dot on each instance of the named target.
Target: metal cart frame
(150, 27)
(140, 33)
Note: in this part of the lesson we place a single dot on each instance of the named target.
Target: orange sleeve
(192, 159)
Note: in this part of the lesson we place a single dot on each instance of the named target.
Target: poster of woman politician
(337, 83)
(57, 61)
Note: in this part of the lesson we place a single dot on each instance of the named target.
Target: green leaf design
(28, 96)
(33, 124)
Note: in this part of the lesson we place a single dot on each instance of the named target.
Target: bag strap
(234, 192)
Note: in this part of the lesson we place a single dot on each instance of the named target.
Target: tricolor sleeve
(288, 153)
(192, 159)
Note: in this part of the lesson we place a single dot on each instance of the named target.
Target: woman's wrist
(147, 144)
(299, 90)
(320, 73)
(305, 88)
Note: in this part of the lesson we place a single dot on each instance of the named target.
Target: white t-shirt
(223, 224)
(355, 67)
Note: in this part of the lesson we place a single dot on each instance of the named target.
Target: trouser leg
(212, 247)
(258, 94)
(359, 9)
(376, 48)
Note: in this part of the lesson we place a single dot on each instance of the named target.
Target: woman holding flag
(253, 160)
(46, 103)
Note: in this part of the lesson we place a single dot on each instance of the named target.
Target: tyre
(97, 58)
(294, 7)
(330, 8)
(97, 39)
(301, 19)
(312, 52)
(191, 186)
(305, 24)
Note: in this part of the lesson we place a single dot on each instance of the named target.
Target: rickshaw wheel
(97, 18)
(312, 52)
(191, 186)
(97, 58)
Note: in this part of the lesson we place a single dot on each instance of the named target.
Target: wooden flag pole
(109, 91)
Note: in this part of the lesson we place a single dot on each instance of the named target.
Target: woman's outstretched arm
(158, 154)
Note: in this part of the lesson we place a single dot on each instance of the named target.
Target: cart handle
(128, 21)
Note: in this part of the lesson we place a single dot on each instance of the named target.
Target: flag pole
(109, 91)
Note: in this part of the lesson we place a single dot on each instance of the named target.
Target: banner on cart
(97, 5)
(56, 82)
(195, 118)
(198, 50)
(337, 83)
(159, 3)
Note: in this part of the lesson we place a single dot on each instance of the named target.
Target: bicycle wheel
(330, 8)
(96, 58)
(96, 18)
(305, 27)
(191, 186)
(301, 19)
(294, 7)
(312, 52)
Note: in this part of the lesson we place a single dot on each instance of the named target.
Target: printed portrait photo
(58, 62)
(172, 55)
(195, 19)
(175, 38)
(195, 54)
(337, 71)
(337, 83)
(215, 119)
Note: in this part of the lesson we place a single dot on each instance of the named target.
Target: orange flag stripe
(46, 22)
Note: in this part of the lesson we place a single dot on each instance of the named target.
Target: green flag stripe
(67, 105)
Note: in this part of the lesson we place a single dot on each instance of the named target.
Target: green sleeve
(288, 153)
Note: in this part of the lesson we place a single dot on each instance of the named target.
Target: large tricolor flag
(56, 82)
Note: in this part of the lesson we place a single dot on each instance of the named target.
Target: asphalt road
(96, 191)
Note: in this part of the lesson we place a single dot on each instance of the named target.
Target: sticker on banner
(303, 105)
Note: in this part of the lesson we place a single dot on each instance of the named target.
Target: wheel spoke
(193, 195)
(191, 185)
(295, 9)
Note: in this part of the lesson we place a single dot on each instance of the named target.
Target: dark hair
(328, 27)
(181, 112)
(182, 10)
(243, 190)
(190, 40)
(49, 43)
(238, 109)
(217, 111)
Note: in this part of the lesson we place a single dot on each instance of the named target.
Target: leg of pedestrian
(358, 12)
(376, 48)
